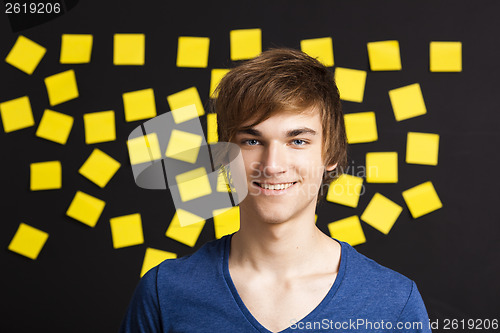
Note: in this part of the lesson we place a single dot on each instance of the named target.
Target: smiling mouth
(275, 187)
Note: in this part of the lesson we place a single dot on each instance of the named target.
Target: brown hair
(283, 79)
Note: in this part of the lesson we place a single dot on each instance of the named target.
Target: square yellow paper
(185, 113)
(215, 77)
(85, 208)
(45, 175)
(193, 52)
(384, 55)
(407, 102)
(360, 127)
(25, 55)
(382, 167)
(193, 184)
(61, 87)
(126, 230)
(348, 230)
(345, 190)
(422, 199)
(154, 257)
(16, 114)
(99, 168)
(184, 146)
(189, 233)
(319, 48)
(422, 148)
(76, 49)
(139, 104)
(245, 43)
(184, 98)
(144, 149)
(99, 127)
(28, 241)
(129, 49)
(55, 126)
(226, 221)
(381, 213)
(445, 56)
(351, 84)
(212, 134)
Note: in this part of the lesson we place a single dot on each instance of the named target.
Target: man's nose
(274, 159)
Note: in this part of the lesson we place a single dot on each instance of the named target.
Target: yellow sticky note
(381, 213)
(129, 49)
(85, 208)
(384, 55)
(45, 175)
(348, 230)
(16, 114)
(245, 43)
(215, 77)
(351, 84)
(139, 104)
(382, 167)
(25, 55)
(76, 48)
(126, 230)
(193, 184)
(212, 134)
(185, 113)
(193, 52)
(407, 102)
(319, 48)
(422, 148)
(99, 127)
(189, 233)
(28, 241)
(345, 190)
(183, 146)
(360, 127)
(184, 98)
(154, 257)
(445, 56)
(61, 87)
(226, 221)
(144, 149)
(422, 199)
(99, 168)
(55, 126)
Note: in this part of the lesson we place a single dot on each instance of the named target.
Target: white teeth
(275, 187)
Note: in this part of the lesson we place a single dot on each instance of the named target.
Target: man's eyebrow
(299, 131)
(250, 131)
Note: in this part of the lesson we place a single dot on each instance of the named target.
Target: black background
(79, 283)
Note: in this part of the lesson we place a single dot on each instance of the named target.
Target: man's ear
(331, 167)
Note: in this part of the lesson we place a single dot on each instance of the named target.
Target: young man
(279, 272)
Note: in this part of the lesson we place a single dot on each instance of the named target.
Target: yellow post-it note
(245, 43)
(144, 149)
(422, 199)
(348, 230)
(189, 233)
(184, 98)
(384, 55)
(154, 257)
(360, 127)
(45, 175)
(16, 114)
(129, 49)
(61, 87)
(55, 126)
(215, 77)
(345, 190)
(407, 102)
(351, 84)
(99, 127)
(126, 230)
(381, 213)
(185, 113)
(212, 134)
(85, 208)
(193, 184)
(445, 56)
(25, 55)
(382, 167)
(28, 241)
(319, 48)
(422, 148)
(184, 146)
(76, 48)
(193, 52)
(226, 221)
(99, 168)
(139, 104)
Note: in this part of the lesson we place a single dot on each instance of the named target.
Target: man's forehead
(292, 119)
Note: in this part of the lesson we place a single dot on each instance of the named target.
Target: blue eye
(299, 142)
(251, 142)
